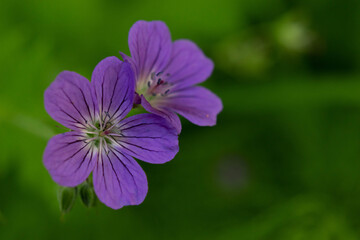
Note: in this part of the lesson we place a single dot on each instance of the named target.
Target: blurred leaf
(291, 92)
(293, 34)
(2, 218)
(33, 126)
(242, 55)
(302, 218)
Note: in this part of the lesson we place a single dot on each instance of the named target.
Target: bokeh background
(282, 163)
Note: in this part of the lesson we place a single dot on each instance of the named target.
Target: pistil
(156, 86)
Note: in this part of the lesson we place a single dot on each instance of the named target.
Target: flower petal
(68, 100)
(164, 112)
(69, 159)
(197, 104)
(128, 59)
(119, 180)
(148, 137)
(188, 65)
(113, 83)
(150, 46)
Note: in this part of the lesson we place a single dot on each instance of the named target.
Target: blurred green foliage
(283, 161)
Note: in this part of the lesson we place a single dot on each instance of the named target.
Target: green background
(282, 162)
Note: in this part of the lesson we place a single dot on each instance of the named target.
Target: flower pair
(159, 75)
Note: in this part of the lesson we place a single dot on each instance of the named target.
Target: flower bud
(87, 195)
(66, 197)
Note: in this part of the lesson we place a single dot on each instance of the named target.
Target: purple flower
(101, 141)
(166, 73)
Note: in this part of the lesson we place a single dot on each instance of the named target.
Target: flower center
(102, 134)
(154, 86)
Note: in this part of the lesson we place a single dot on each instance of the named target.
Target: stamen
(115, 135)
(106, 115)
(111, 139)
(113, 125)
(91, 125)
(100, 121)
(100, 149)
(156, 84)
(90, 139)
(106, 147)
(116, 130)
(115, 142)
(89, 132)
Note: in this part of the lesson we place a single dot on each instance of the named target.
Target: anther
(153, 76)
(149, 83)
(159, 73)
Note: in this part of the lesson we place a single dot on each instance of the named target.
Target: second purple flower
(166, 73)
